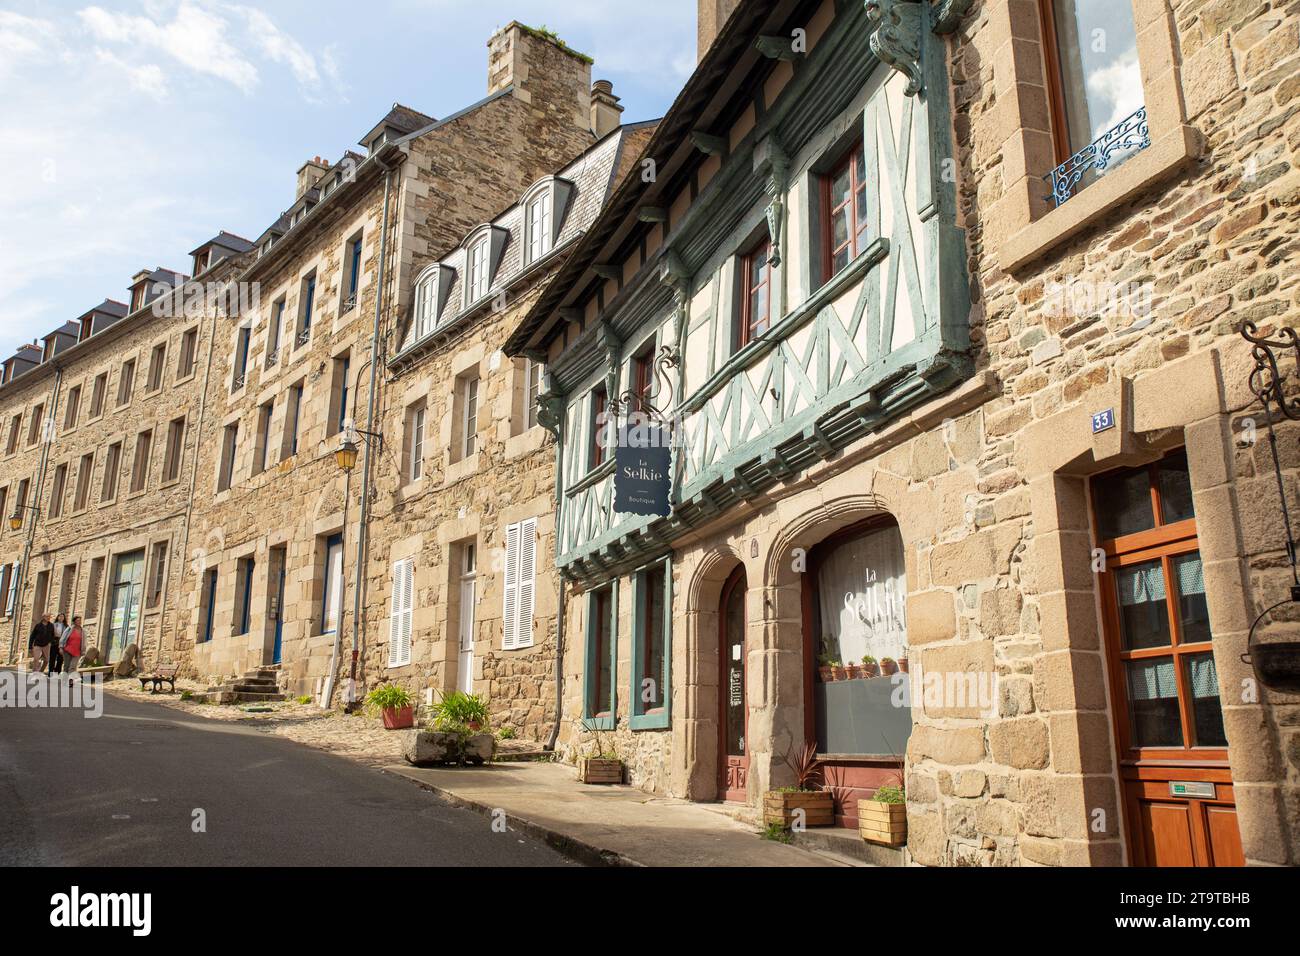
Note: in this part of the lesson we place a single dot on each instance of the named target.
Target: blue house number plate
(1103, 421)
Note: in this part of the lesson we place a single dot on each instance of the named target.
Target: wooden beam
(652, 214)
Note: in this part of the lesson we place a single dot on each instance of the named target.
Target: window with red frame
(844, 196)
(599, 401)
(643, 376)
(756, 302)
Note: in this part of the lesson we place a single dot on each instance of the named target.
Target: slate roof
(592, 176)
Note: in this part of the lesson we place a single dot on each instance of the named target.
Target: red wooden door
(1177, 788)
(733, 747)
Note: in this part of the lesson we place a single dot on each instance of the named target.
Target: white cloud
(26, 39)
(148, 79)
(279, 47)
(196, 39)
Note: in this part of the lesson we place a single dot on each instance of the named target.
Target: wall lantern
(346, 453)
(1276, 663)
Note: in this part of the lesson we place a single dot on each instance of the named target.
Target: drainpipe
(560, 619)
(351, 693)
(53, 404)
(194, 479)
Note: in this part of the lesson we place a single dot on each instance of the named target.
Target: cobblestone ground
(358, 737)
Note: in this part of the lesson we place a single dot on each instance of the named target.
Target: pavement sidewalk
(609, 825)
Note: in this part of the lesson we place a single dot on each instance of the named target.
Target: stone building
(278, 524)
(463, 516)
(102, 422)
(942, 302)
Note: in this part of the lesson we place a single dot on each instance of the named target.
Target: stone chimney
(539, 65)
(606, 112)
(712, 15)
(310, 174)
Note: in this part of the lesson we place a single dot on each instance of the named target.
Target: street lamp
(16, 519)
(346, 453)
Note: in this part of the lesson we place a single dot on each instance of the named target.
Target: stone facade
(106, 500)
(282, 512)
(988, 481)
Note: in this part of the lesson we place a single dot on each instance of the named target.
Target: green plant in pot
(461, 708)
(869, 667)
(883, 818)
(602, 764)
(807, 803)
(394, 703)
(889, 666)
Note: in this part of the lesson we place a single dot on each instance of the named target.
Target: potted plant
(869, 667)
(883, 818)
(461, 708)
(854, 670)
(603, 764)
(806, 800)
(889, 666)
(824, 669)
(395, 703)
(839, 671)
(902, 664)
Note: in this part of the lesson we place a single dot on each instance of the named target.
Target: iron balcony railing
(1115, 145)
(304, 337)
(350, 303)
(272, 358)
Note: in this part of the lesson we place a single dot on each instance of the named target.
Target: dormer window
(201, 262)
(430, 293)
(544, 208)
(483, 251)
(537, 225)
(477, 272)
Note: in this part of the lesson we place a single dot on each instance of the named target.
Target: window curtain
(862, 592)
(1203, 676)
(1152, 680)
(1142, 585)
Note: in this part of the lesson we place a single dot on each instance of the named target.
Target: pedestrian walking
(73, 644)
(56, 654)
(39, 642)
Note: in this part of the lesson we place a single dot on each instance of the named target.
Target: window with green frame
(600, 694)
(652, 647)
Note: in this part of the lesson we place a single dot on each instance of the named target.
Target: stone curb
(571, 847)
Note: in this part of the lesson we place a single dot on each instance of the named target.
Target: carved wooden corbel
(896, 37)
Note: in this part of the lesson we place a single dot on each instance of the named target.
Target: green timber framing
(845, 394)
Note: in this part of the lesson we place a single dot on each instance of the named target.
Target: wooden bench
(163, 675)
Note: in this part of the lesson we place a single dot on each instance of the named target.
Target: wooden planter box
(883, 823)
(599, 770)
(780, 807)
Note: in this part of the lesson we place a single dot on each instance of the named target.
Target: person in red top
(72, 646)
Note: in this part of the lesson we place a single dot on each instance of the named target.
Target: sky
(131, 131)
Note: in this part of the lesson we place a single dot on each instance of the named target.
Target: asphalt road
(122, 790)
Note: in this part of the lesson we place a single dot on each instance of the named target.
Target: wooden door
(733, 751)
(1177, 789)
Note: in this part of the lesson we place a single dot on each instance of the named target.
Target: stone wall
(95, 535)
(510, 478)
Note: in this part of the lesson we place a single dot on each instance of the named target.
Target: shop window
(859, 637)
(651, 647)
(600, 695)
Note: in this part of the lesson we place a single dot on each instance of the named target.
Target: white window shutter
(408, 610)
(400, 615)
(510, 615)
(526, 582)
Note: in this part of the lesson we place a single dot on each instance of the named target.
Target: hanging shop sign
(643, 470)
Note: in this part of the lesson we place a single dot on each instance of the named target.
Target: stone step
(244, 687)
